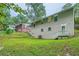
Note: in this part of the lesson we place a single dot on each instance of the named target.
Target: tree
(21, 18)
(9, 6)
(35, 11)
(67, 5)
(5, 12)
(76, 13)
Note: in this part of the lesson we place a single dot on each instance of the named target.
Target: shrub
(9, 31)
(77, 20)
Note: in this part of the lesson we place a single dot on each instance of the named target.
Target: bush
(9, 31)
(77, 20)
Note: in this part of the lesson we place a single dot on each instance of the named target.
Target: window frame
(55, 18)
(42, 30)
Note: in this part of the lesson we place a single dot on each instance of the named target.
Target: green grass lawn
(27, 46)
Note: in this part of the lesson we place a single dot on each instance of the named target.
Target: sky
(50, 8)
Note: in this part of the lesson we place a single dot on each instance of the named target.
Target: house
(22, 28)
(53, 26)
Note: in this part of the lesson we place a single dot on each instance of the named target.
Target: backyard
(21, 44)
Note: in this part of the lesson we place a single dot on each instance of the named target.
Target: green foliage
(76, 6)
(7, 6)
(35, 11)
(9, 31)
(21, 18)
(77, 20)
(67, 5)
(5, 17)
(36, 47)
(40, 11)
(76, 10)
(26, 46)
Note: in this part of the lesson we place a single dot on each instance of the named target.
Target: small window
(49, 28)
(55, 18)
(42, 30)
(40, 36)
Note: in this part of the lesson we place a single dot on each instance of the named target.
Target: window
(42, 30)
(49, 28)
(55, 18)
(40, 36)
(49, 19)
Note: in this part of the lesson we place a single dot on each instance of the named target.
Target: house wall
(65, 17)
(22, 28)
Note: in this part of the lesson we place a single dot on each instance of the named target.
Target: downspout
(74, 9)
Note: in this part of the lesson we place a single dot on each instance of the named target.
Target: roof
(62, 11)
(55, 13)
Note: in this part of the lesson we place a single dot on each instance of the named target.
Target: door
(63, 29)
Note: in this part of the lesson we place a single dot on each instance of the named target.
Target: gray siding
(63, 18)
